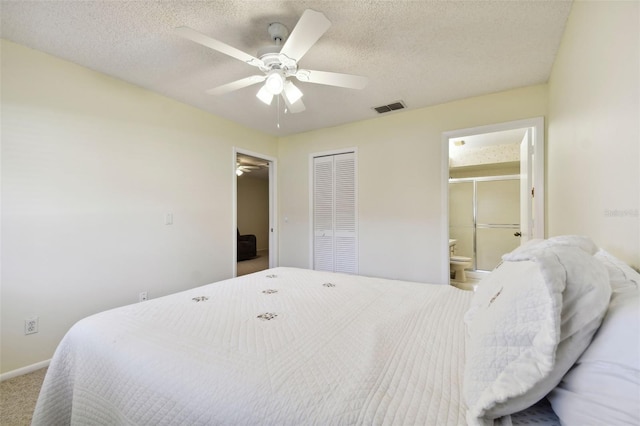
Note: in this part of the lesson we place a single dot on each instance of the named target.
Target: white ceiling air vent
(391, 107)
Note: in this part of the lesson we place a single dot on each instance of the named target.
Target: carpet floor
(258, 263)
(18, 398)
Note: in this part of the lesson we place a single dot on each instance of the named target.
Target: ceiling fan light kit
(291, 92)
(280, 61)
(265, 95)
(274, 82)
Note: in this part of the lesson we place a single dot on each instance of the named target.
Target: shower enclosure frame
(476, 225)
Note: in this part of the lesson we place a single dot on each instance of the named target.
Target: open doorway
(494, 195)
(254, 193)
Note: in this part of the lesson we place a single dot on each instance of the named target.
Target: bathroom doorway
(494, 195)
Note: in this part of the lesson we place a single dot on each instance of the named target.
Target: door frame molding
(273, 207)
(538, 170)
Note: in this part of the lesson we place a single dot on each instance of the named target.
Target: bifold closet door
(334, 214)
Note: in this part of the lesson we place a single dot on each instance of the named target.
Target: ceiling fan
(245, 165)
(279, 62)
(241, 169)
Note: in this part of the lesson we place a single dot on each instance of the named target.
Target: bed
(291, 346)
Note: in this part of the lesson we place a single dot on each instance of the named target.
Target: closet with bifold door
(335, 228)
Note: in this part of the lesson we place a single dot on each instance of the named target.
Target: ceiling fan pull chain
(278, 108)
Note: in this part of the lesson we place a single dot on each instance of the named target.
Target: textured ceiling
(503, 137)
(421, 52)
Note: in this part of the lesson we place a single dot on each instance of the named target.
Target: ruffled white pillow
(621, 275)
(528, 323)
(582, 242)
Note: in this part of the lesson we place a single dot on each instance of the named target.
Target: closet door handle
(518, 234)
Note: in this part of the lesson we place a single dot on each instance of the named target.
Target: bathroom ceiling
(503, 137)
(421, 52)
(486, 151)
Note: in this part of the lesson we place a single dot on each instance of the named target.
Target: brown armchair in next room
(246, 246)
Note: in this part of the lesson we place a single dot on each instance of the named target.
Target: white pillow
(621, 275)
(604, 385)
(528, 322)
(580, 241)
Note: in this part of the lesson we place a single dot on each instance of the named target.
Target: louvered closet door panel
(345, 214)
(345, 255)
(323, 213)
(335, 227)
(323, 259)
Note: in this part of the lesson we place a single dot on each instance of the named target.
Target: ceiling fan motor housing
(271, 56)
(276, 61)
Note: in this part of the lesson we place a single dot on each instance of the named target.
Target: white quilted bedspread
(339, 349)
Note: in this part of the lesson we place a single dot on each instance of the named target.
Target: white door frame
(273, 206)
(538, 169)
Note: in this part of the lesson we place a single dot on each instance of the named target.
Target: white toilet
(458, 265)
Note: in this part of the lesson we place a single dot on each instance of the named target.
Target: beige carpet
(259, 263)
(18, 398)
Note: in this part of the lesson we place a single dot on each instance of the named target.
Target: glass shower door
(461, 220)
(497, 220)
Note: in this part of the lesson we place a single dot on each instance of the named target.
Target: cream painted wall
(253, 208)
(399, 176)
(594, 128)
(90, 167)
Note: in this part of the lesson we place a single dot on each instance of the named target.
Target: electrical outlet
(142, 296)
(31, 325)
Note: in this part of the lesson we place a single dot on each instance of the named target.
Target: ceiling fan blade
(332, 79)
(214, 44)
(235, 85)
(307, 31)
(297, 106)
(250, 162)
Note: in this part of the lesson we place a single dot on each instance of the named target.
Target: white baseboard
(24, 370)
